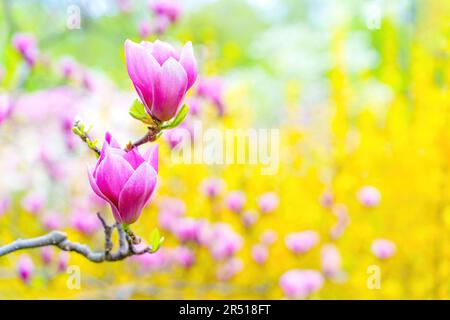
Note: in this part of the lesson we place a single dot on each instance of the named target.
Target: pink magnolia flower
(184, 257)
(268, 202)
(299, 284)
(235, 201)
(144, 29)
(6, 107)
(166, 8)
(63, 261)
(229, 269)
(25, 268)
(330, 260)
(383, 249)
(369, 196)
(268, 237)
(47, 255)
(260, 254)
(26, 45)
(212, 89)
(160, 75)
(212, 187)
(33, 202)
(85, 222)
(126, 180)
(301, 242)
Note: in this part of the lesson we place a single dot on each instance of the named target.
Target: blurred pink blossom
(26, 45)
(85, 222)
(229, 269)
(212, 187)
(4, 205)
(47, 255)
(327, 199)
(194, 106)
(301, 242)
(249, 218)
(383, 248)
(125, 6)
(161, 24)
(235, 201)
(300, 284)
(184, 257)
(25, 268)
(269, 237)
(260, 254)
(52, 221)
(225, 242)
(63, 261)
(144, 29)
(369, 196)
(330, 260)
(212, 89)
(170, 209)
(6, 107)
(67, 67)
(167, 8)
(188, 229)
(268, 202)
(33, 202)
(150, 262)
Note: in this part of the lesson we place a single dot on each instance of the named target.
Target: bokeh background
(359, 91)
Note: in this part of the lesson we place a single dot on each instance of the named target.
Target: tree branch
(150, 136)
(59, 239)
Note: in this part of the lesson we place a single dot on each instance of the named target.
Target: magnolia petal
(169, 89)
(162, 51)
(142, 68)
(134, 158)
(136, 193)
(187, 60)
(99, 193)
(151, 156)
(112, 174)
(110, 141)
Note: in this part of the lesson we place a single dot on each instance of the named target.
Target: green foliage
(137, 111)
(175, 122)
(156, 240)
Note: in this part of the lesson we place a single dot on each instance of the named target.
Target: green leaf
(175, 122)
(155, 239)
(137, 111)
